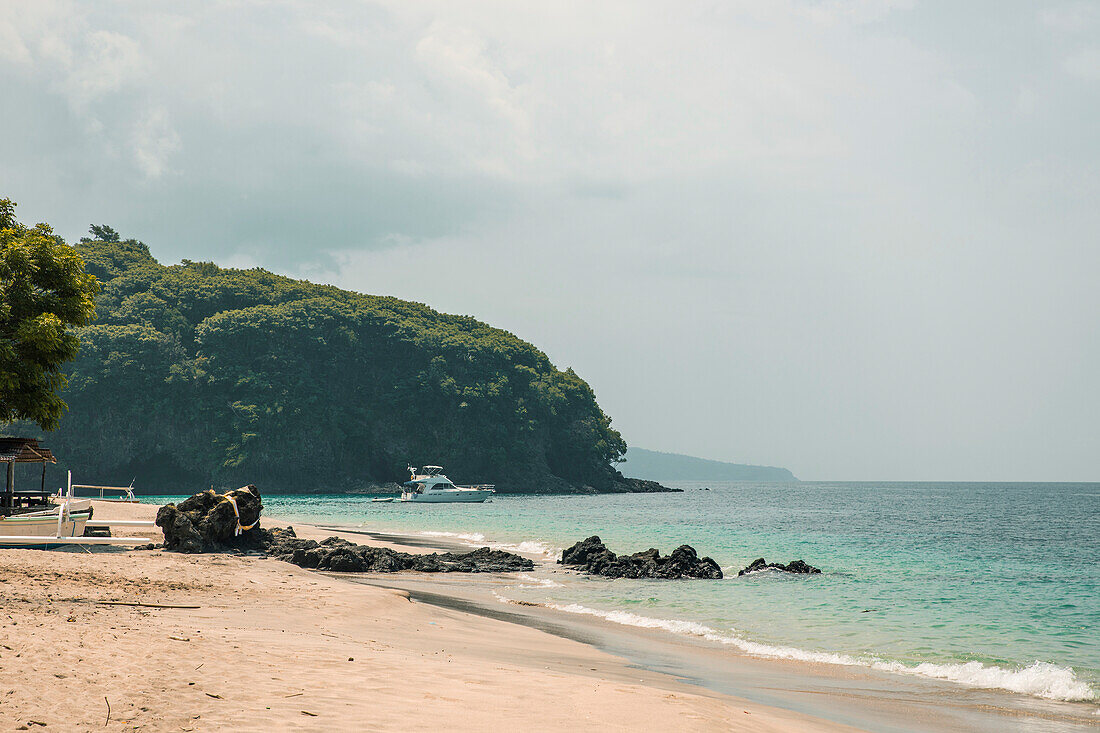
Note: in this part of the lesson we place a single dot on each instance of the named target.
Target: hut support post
(43, 477)
(10, 491)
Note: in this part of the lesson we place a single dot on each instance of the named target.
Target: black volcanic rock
(794, 566)
(593, 557)
(208, 522)
(341, 556)
(583, 551)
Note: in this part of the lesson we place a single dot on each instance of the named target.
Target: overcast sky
(860, 239)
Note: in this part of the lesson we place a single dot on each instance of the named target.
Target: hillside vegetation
(193, 374)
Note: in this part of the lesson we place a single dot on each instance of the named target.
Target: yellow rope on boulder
(240, 528)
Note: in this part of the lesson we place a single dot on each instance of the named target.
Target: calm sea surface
(994, 585)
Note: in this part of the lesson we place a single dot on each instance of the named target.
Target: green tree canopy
(194, 374)
(44, 293)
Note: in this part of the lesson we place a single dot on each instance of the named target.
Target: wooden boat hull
(41, 524)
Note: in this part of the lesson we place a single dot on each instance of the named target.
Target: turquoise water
(992, 585)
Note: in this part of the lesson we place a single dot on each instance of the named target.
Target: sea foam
(1040, 679)
(540, 583)
(476, 539)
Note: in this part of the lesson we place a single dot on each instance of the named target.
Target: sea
(989, 585)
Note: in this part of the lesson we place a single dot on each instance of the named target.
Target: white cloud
(479, 97)
(154, 142)
(108, 62)
(1078, 17)
(1084, 64)
(12, 47)
(1026, 100)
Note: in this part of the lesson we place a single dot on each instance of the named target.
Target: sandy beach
(256, 644)
(117, 639)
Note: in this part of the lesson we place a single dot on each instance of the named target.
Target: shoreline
(852, 695)
(148, 640)
(940, 599)
(939, 703)
(259, 612)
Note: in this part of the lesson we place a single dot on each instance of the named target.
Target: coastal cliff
(195, 375)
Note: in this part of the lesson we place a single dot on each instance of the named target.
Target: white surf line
(1039, 679)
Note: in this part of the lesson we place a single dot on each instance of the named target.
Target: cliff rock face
(193, 375)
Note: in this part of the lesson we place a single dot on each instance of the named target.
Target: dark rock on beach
(593, 557)
(794, 566)
(207, 522)
(342, 556)
(212, 522)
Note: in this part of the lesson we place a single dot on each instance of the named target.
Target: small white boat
(122, 494)
(432, 486)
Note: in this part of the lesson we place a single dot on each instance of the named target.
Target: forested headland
(193, 375)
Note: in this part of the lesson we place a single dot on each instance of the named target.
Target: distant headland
(657, 466)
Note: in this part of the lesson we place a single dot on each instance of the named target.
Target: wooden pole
(43, 477)
(10, 499)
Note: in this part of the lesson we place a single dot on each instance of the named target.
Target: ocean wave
(539, 583)
(1040, 679)
(476, 539)
(470, 538)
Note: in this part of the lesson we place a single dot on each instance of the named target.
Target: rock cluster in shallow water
(593, 557)
(794, 566)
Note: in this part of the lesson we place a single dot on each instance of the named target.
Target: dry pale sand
(270, 646)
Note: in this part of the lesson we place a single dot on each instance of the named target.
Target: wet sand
(855, 696)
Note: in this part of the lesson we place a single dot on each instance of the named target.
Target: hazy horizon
(857, 240)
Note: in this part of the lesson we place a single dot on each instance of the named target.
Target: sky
(858, 239)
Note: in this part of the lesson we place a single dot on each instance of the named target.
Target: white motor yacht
(429, 484)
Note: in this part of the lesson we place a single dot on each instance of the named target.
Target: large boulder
(794, 566)
(212, 522)
(585, 550)
(593, 557)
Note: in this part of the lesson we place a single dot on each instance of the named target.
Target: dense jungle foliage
(193, 374)
(44, 294)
